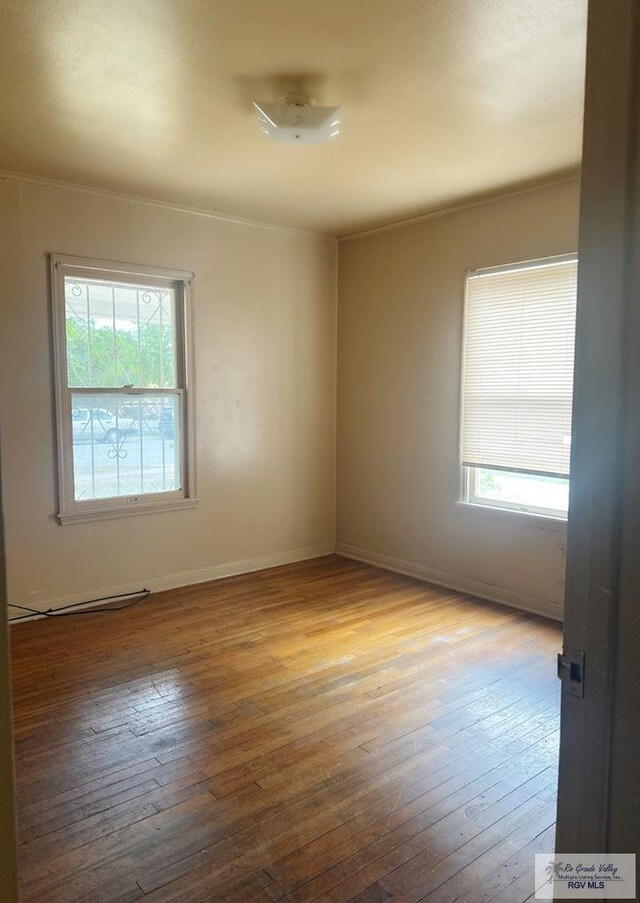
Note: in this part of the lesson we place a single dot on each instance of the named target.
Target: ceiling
(444, 100)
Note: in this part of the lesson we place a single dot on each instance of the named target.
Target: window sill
(83, 517)
(539, 521)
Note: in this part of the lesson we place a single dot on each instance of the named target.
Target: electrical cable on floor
(61, 612)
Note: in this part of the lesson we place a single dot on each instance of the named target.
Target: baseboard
(521, 601)
(186, 578)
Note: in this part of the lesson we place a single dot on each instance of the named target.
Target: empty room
(320, 501)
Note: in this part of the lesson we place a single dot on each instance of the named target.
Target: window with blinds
(517, 385)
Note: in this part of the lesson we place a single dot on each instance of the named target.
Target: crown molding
(463, 205)
(45, 182)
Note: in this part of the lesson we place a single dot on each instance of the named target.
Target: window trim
(532, 263)
(538, 521)
(466, 499)
(469, 497)
(70, 510)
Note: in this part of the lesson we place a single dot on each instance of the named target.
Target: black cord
(61, 612)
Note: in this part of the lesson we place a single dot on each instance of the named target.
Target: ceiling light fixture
(297, 119)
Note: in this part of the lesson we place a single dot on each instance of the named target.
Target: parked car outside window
(98, 425)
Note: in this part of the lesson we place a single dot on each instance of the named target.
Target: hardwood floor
(324, 731)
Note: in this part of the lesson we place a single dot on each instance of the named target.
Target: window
(123, 389)
(517, 386)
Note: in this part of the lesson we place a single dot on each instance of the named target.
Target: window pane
(119, 334)
(522, 490)
(125, 445)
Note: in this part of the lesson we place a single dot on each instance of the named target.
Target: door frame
(603, 571)
(8, 832)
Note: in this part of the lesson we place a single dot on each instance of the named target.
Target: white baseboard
(184, 578)
(531, 604)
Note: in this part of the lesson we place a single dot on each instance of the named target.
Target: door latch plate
(571, 671)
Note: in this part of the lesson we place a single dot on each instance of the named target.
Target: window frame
(70, 510)
(470, 497)
(468, 474)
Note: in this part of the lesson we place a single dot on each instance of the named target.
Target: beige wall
(399, 347)
(264, 311)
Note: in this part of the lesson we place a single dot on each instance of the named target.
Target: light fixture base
(297, 119)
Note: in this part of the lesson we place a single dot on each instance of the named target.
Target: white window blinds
(518, 367)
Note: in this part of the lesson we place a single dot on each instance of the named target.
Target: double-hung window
(517, 386)
(123, 389)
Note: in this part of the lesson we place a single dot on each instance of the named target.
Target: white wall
(399, 357)
(264, 311)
